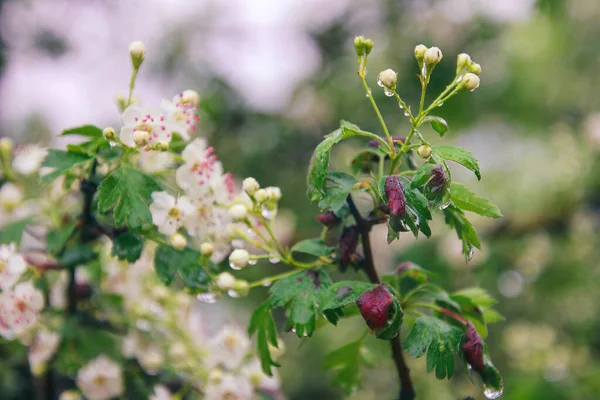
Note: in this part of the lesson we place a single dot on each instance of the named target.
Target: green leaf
(343, 293)
(439, 339)
(467, 200)
(465, 231)
(393, 328)
(168, 262)
(417, 209)
(345, 363)
(477, 296)
(61, 162)
(79, 254)
(337, 188)
(85, 130)
(301, 295)
(460, 156)
(128, 191)
(128, 246)
(56, 239)
(315, 247)
(263, 325)
(13, 232)
(438, 124)
(422, 175)
(91, 147)
(365, 160)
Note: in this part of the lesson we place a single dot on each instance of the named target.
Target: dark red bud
(405, 266)
(377, 307)
(439, 179)
(394, 190)
(473, 348)
(83, 290)
(348, 244)
(329, 219)
(398, 139)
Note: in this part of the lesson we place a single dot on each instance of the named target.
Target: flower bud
(424, 151)
(329, 219)
(190, 96)
(376, 307)
(70, 395)
(250, 186)
(241, 288)
(178, 352)
(432, 56)
(475, 68)
(238, 212)
(238, 259)
(394, 191)
(161, 145)
(109, 133)
(225, 281)
(160, 292)
(438, 181)
(215, 376)
(473, 348)
(463, 61)
(362, 46)
(388, 79)
(261, 196)
(274, 193)
(420, 50)
(347, 247)
(470, 81)
(178, 241)
(206, 249)
(137, 50)
(140, 138)
(405, 266)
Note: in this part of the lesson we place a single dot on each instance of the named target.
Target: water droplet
(208, 298)
(379, 82)
(472, 90)
(233, 294)
(234, 267)
(459, 78)
(424, 70)
(252, 261)
(268, 213)
(400, 105)
(143, 325)
(369, 94)
(441, 104)
(492, 393)
(388, 92)
(267, 283)
(406, 113)
(274, 260)
(470, 255)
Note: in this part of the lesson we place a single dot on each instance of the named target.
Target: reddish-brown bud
(348, 244)
(405, 266)
(473, 348)
(394, 190)
(377, 307)
(438, 181)
(329, 219)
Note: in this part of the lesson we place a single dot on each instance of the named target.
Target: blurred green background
(276, 76)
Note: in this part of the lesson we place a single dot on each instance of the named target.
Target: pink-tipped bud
(329, 219)
(473, 348)
(348, 245)
(394, 190)
(438, 181)
(377, 307)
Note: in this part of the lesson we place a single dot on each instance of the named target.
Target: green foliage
(343, 293)
(78, 254)
(314, 247)
(127, 191)
(168, 262)
(345, 362)
(84, 130)
(469, 201)
(465, 231)
(128, 246)
(438, 124)
(337, 188)
(416, 216)
(61, 162)
(14, 231)
(439, 339)
(57, 238)
(460, 156)
(263, 325)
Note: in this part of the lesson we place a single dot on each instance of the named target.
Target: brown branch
(407, 391)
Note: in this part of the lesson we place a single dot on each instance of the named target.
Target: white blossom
(201, 169)
(11, 196)
(12, 266)
(253, 371)
(183, 110)
(170, 214)
(228, 347)
(138, 118)
(21, 306)
(151, 161)
(28, 159)
(235, 387)
(160, 392)
(43, 347)
(100, 379)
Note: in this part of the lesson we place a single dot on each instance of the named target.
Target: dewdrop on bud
(238, 212)
(178, 241)
(475, 68)
(424, 151)
(238, 259)
(420, 50)
(225, 281)
(140, 138)
(261, 195)
(274, 193)
(206, 249)
(470, 81)
(387, 79)
(432, 56)
(250, 186)
(462, 61)
(161, 145)
(137, 50)
(241, 288)
(190, 96)
(109, 133)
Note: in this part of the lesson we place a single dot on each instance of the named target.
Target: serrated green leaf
(337, 188)
(62, 161)
(422, 175)
(491, 316)
(128, 246)
(301, 295)
(477, 296)
(13, 232)
(417, 209)
(314, 247)
(460, 156)
(365, 159)
(84, 130)
(168, 262)
(345, 362)
(127, 191)
(467, 200)
(343, 293)
(465, 231)
(439, 339)
(263, 325)
(91, 147)
(438, 124)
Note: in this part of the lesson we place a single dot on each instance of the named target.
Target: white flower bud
(261, 195)
(470, 81)
(238, 212)
(424, 151)
(238, 259)
(433, 56)
(206, 249)
(250, 186)
(475, 68)
(190, 96)
(161, 145)
(140, 138)
(462, 61)
(274, 193)
(178, 241)
(387, 79)
(70, 395)
(109, 133)
(178, 351)
(225, 281)
(137, 50)
(241, 288)
(420, 50)
(160, 292)
(215, 376)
